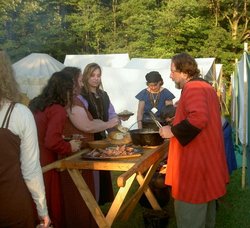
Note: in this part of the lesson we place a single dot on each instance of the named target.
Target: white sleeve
(30, 159)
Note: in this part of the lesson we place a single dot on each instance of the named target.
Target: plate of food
(125, 113)
(113, 152)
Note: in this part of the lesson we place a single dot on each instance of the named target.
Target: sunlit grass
(233, 209)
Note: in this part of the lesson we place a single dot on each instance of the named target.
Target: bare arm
(140, 111)
(80, 120)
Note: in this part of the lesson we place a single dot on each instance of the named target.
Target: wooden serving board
(135, 155)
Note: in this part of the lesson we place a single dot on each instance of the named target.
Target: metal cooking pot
(146, 137)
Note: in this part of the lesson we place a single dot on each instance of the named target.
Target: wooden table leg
(92, 204)
(148, 193)
(119, 198)
(129, 206)
(88, 198)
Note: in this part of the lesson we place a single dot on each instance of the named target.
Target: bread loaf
(117, 135)
(119, 138)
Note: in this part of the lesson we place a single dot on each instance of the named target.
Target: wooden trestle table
(140, 168)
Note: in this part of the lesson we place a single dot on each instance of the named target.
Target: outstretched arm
(80, 120)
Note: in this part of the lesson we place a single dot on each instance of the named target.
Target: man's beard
(177, 85)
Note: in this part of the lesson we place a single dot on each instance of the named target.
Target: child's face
(154, 86)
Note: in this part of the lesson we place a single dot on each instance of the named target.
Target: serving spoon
(153, 117)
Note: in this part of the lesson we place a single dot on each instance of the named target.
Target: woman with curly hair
(58, 114)
(21, 179)
(49, 109)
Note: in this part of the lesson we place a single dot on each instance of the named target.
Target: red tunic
(197, 171)
(50, 125)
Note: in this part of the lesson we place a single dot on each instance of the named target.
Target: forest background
(141, 28)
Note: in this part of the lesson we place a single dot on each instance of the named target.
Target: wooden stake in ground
(244, 145)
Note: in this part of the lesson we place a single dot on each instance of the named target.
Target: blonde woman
(95, 98)
(98, 104)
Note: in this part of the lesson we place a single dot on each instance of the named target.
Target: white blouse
(22, 123)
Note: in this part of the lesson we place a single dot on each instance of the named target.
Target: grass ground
(233, 210)
(234, 207)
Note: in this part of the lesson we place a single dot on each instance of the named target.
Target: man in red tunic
(197, 169)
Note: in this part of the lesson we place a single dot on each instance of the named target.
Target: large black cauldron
(146, 137)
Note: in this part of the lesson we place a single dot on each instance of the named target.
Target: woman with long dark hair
(49, 109)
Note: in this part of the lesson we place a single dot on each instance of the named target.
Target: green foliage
(142, 28)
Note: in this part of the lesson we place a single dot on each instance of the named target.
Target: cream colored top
(22, 123)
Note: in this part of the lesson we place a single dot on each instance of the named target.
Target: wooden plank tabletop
(130, 166)
(139, 168)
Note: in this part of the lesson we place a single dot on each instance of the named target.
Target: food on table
(116, 135)
(116, 151)
(119, 138)
(125, 113)
(122, 128)
(98, 144)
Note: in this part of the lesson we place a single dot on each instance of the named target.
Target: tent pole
(236, 105)
(244, 145)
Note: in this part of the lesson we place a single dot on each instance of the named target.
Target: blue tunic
(149, 98)
(229, 147)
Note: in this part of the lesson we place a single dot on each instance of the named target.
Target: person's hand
(44, 222)
(75, 144)
(176, 103)
(113, 122)
(166, 132)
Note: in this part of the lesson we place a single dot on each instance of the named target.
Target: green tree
(89, 23)
(142, 28)
(180, 27)
(136, 29)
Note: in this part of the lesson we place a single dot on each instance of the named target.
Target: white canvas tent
(220, 86)
(123, 78)
(240, 108)
(148, 63)
(33, 71)
(207, 68)
(206, 65)
(108, 60)
(122, 85)
(218, 73)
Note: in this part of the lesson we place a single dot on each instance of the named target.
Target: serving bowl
(146, 137)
